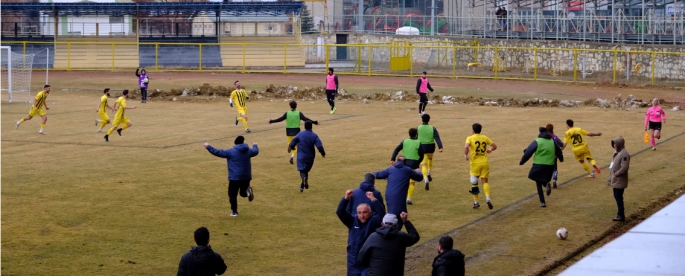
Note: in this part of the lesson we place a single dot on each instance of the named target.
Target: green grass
(75, 205)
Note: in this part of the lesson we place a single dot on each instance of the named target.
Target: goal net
(16, 75)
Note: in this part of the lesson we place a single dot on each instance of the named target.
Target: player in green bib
(292, 124)
(428, 136)
(413, 152)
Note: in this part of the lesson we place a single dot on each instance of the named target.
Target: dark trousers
(618, 195)
(143, 92)
(330, 96)
(235, 186)
(541, 193)
(423, 102)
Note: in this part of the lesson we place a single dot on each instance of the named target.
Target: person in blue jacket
(239, 170)
(398, 176)
(360, 225)
(305, 142)
(359, 194)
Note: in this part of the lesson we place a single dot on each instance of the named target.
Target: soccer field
(75, 205)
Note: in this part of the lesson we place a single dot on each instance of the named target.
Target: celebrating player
(579, 147)
(307, 141)
(143, 81)
(478, 146)
(240, 97)
(413, 152)
(39, 106)
(120, 117)
(422, 87)
(104, 118)
(292, 124)
(331, 88)
(653, 119)
(428, 136)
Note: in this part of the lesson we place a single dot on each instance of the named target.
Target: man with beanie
(542, 170)
(239, 170)
(306, 142)
(398, 176)
(360, 224)
(413, 152)
(383, 252)
(618, 174)
(201, 259)
(359, 194)
(292, 124)
(449, 262)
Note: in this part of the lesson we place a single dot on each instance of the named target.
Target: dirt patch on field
(636, 218)
(207, 93)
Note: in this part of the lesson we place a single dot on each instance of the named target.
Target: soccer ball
(562, 233)
(145, 80)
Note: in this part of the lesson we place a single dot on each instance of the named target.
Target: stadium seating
(93, 53)
(262, 51)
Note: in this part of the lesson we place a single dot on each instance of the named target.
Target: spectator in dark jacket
(239, 170)
(306, 142)
(383, 252)
(542, 170)
(201, 260)
(449, 262)
(398, 176)
(359, 194)
(360, 225)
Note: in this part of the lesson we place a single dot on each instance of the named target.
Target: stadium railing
(406, 59)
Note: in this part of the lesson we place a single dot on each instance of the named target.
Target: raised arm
(304, 118)
(412, 235)
(280, 119)
(254, 150)
(218, 152)
(137, 70)
(382, 174)
(345, 217)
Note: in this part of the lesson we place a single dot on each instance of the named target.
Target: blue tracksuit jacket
(398, 177)
(358, 232)
(237, 160)
(306, 141)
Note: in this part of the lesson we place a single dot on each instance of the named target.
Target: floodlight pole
(47, 65)
(360, 16)
(9, 72)
(432, 17)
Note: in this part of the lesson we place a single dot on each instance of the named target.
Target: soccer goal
(16, 75)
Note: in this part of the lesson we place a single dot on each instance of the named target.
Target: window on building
(116, 20)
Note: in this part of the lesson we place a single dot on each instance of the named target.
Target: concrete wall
(549, 53)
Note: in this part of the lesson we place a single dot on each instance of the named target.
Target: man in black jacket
(201, 259)
(383, 252)
(450, 262)
(542, 170)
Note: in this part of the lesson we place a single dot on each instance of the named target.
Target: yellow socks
(411, 190)
(486, 187)
(244, 123)
(22, 120)
(586, 167)
(475, 198)
(592, 162)
(424, 169)
(42, 126)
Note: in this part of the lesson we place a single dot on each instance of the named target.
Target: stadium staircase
(94, 53)
(262, 51)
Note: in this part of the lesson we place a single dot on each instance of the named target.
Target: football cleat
(597, 169)
(236, 121)
(301, 187)
(119, 131)
(554, 184)
(248, 131)
(476, 205)
(234, 214)
(96, 122)
(18, 123)
(592, 175)
(106, 138)
(291, 159)
(250, 194)
(543, 205)
(490, 205)
(409, 202)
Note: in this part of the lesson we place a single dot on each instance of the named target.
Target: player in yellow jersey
(239, 96)
(476, 151)
(120, 117)
(38, 108)
(104, 118)
(579, 147)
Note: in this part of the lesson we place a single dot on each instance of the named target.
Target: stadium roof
(153, 9)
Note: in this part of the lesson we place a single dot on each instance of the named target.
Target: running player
(579, 147)
(653, 119)
(38, 108)
(292, 125)
(476, 151)
(120, 117)
(331, 88)
(413, 152)
(428, 136)
(104, 118)
(422, 87)
(240, 97)
(560, 144)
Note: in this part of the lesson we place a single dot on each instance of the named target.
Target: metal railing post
(653, 64)
(244, 57)
(327, 48)
(495, 62)
(454, 62)
(285, 57)
(535, 63)
(614, 69)
(68, 56)
(575, 65)
(156, 57)
(113, 56)
(200, 58)
(370, 58)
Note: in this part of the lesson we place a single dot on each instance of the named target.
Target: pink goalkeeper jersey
(424, 85)
(654, 114)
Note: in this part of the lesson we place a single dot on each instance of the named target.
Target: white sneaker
(99, 130)
(234, 214)
(18, 123)
(41, 131)
(96, 122)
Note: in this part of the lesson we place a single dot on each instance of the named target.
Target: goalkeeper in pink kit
(654, 118)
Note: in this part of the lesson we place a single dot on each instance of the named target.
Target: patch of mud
(272, 92)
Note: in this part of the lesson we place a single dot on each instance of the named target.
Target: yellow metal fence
(440, 59)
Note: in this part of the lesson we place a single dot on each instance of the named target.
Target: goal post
(17, 69)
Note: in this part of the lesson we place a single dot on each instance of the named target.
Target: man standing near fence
(422, 87)
(331, 88)
(143, 80)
